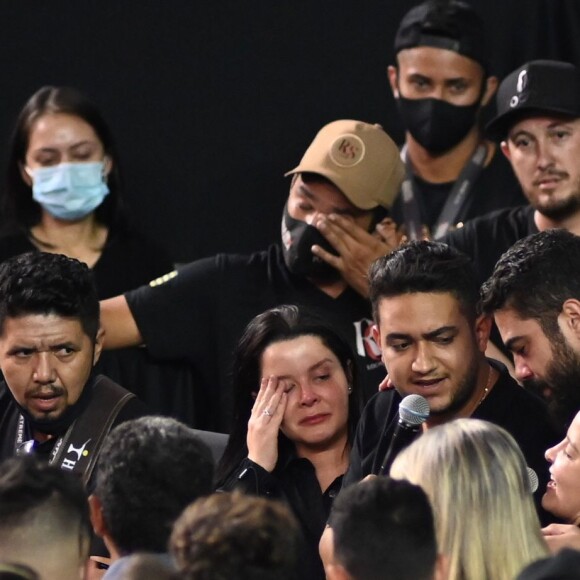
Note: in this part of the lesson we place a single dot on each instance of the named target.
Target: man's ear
(336, 572)
(376, 334)
(491, 84)
(393, 80)
(98, 344)
(569, 319)
(96, 513)
(482, 329)
(505, 150)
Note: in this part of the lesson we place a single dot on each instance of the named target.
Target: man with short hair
(348, 176)
(538, 124)
(238, 536)
(150, 469)
(424, 298)
(51, 402)
(44, 519)
(383, 529)
(441, 83)
(534, 296)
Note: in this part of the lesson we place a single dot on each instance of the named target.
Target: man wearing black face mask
(440, 84)
(346, 179)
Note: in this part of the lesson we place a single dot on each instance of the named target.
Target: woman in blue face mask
(63, 193)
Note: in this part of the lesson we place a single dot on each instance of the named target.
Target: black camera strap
(457, 199)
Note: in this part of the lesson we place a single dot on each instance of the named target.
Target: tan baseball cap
(359, 158)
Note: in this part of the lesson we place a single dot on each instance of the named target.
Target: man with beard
(534, 296)
(538, 124)
(424, 299)
(348, 175)
(51, 403)
(441, 83)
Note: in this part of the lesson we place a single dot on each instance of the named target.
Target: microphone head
(533, 479)
(414, 410)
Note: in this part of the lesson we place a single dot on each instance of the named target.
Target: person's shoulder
(502, 226)
(114, 395)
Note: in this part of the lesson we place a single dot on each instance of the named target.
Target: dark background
(211, 102)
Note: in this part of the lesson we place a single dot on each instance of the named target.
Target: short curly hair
(232, 535)
(42, 283)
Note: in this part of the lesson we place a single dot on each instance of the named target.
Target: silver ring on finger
(267, 412)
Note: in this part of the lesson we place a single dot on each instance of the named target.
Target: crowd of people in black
(247, 417)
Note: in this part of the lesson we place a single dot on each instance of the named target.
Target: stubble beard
(561, 386)
(464, 391)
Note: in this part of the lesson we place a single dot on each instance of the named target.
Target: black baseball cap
(536, 88)
(564, 566)
(452, 25)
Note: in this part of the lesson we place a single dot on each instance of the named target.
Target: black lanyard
(456, 200)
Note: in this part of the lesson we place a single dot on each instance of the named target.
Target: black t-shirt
(508, 405)
(127, 261)
(200, 314)
(486, 238)
(496, 187)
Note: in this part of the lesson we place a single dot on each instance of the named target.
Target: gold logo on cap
(347, 150)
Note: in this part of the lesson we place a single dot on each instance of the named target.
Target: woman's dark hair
(276, 325)
(19, 208)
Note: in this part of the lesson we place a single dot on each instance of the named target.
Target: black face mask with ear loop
(436, 124)
(298, 237)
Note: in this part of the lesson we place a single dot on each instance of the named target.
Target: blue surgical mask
(69, 191)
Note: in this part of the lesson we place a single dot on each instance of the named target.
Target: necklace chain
(487, 386)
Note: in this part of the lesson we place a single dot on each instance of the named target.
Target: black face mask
(436, 124)
(297, 239)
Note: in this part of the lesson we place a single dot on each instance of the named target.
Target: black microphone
(413, 412)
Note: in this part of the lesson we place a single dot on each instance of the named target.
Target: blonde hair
(476, 478)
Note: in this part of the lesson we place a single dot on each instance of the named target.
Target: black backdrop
(211, 102)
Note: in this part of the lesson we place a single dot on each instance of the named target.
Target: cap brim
(498, 128)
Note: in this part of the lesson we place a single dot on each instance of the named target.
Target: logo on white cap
(347, 150)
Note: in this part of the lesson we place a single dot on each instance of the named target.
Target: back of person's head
(565, 565)
(446, 24)
(535, 277)
(44, 518)
(279, 324)
(42, 283)
(477, 481)
(18, 203)
(230, 536)
(383, 530)
(148, 471)
(424, 266)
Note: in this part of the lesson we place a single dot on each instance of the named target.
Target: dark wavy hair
(424, 266)
(276, 325)
(43, 283)
(18, 207)
(149, 470)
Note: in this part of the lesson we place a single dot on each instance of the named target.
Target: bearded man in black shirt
(538, 124)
